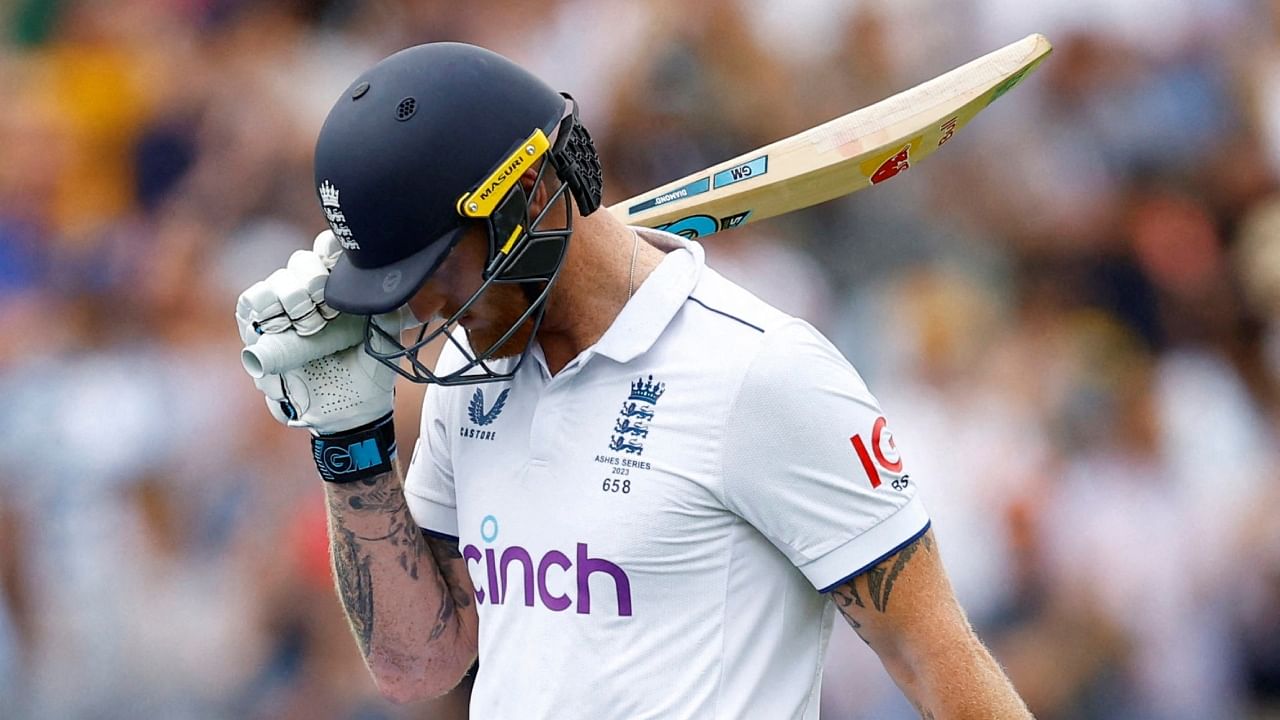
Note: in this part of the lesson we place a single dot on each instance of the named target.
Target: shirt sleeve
(428, 485)
(810, 461)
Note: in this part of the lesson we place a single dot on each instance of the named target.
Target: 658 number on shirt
(616, 485)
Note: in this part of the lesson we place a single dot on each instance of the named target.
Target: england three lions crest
(631, 427)
(337, 220)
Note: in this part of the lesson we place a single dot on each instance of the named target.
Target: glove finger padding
(309, 275)
(290, 298)
(299, 308)
(265, 312)
(327, 248)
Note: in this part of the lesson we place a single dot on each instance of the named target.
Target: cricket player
(638, 491)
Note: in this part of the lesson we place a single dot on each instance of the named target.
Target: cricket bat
(852, 152)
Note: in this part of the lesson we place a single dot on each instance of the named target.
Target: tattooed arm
(905, 610)
(408, 598)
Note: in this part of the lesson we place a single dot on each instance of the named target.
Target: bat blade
(847, 154)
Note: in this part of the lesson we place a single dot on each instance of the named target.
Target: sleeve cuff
(439, 535)
(869, 548)
(432, 516)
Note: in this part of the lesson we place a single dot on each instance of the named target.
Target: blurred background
(1071, 316)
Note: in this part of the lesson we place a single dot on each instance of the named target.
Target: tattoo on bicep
(879, 582)
(355, 585)
(880, 579)
(847, 595)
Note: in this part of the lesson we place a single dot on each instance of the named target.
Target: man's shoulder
(723, 312)
(721, 307)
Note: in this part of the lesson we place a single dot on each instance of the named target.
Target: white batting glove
(338, 392)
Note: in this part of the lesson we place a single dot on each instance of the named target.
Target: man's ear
(537, 192)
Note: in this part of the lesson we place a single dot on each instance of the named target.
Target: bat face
(864, 148)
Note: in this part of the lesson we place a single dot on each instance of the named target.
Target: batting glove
(338, 392)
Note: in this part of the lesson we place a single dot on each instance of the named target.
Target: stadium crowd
(1071, 316)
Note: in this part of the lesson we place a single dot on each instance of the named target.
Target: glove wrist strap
(358, 454)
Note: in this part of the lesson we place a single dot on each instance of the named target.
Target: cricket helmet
(427, 143)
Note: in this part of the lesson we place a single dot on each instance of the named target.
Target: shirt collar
(657, 300)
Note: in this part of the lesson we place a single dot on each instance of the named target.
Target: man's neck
(594, 286)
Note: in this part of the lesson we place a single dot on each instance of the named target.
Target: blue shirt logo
(476, 409)
(631, 425)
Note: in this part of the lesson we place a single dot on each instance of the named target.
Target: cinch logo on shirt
(498, 565)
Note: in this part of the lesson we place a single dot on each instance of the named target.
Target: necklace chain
(631, 280)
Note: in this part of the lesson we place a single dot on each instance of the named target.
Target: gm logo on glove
(347, 462)
(354, 457)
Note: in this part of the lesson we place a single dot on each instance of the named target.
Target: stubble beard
(508, 303)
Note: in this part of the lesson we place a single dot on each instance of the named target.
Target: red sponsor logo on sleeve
(883, 448)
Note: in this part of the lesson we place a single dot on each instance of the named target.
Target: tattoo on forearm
(445, 553)
(352, 561)
(354, 585)
(402, 532)
(444, 616)
(452, 596)
(454, 593)
(376, 494)
(442, 549)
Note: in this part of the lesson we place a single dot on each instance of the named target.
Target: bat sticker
(697, 187)
(696, 226)
(948, 130)
(745, 171)
(734, 221)
(893, 166)
(693, 226)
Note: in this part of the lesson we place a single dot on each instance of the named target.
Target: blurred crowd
(1071, 317)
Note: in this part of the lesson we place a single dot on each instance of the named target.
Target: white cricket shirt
(648, 530)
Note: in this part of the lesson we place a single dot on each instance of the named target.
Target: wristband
(364, 452)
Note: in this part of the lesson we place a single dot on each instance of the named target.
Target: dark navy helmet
(427, 142)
